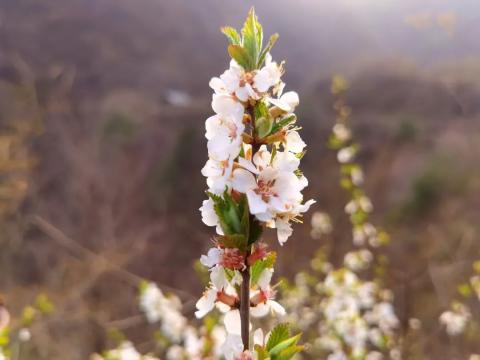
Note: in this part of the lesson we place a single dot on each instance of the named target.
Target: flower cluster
(347, 312)
(181, 340)
(14, 338)
(358, 310)
(456, 319)
(125, 351)
(251, 115)
(254, 182)
(321, 225)
(158, 307)
(459, 317)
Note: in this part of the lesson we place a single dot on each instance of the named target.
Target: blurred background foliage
(102, 108)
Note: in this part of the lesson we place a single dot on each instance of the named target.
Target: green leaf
(225, 209)
(273, 39)
(230, 274)
(262, 353)
(279, 333)
(233, 217)
(280, 124)
(263, 127)
(288, 353)
(263, 120)
(256, 230)
(261, 265)
(261, 110)
(241, 56)
(274, 153)
(283, 345)
(237, 241)
(232, 35)
(252, 33)
(244, 211)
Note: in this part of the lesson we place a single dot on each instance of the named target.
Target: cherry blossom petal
(209, 217)
(260, 310)
(264, 279)
(226, 105)
(284, 230)
(232, 322)
(218, 278)
(212, 258)
(243, 180)
(293, 142)
(276, 308)
(206, 303)
(256, 203)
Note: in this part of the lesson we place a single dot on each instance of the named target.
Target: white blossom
(456, 319)
(287, 102)
(293, 142)
(158, 307)
(209, 216)
(268, 76)
(232, 346)
(126, 351)
(24, 335)
(346, 155)
(342, 132)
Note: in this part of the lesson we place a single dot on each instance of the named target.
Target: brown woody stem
(245, 307)
(245, 289)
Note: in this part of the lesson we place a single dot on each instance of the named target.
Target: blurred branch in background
(102, 260)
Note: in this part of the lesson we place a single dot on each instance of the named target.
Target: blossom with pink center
(229, 258)
(235, 81)
(263, 299)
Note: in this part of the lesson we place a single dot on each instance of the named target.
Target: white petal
(258, 337)
(247, 165)
(293, 142)
(284, 230)
(232, 322)
(305, 207)
(242, 93)
(209, 217)
(217, 85)
(256, 203)
(206, 303)
(276, 308)
(286, 161)
(243, 180)
(260, 310)
(262, 80)
(290, 98)
(218, 278)
(232, 347)
(212, 258)
(265, 216)
(226, 105)
(212, 168)
(287, 102)
(262, 157)
(265, 278)
(252, 93)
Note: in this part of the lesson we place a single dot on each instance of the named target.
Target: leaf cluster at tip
(247, 48)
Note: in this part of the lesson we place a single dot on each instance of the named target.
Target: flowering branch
(254, 182)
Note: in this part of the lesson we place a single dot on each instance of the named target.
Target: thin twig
(61, 238)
